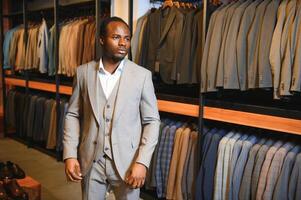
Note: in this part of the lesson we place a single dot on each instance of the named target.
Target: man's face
(117, 41)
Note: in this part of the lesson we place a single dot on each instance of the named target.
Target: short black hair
(105, 22)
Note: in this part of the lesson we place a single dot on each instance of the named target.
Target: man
(112, 123)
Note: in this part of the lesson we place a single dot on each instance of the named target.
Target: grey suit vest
(107, 112)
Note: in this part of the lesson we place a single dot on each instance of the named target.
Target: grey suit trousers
(102, 175)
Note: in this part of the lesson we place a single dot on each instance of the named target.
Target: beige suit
(135, 123)
(286, 70)
(277, 50)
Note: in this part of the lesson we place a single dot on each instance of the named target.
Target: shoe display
(17, 172)
(5, 172)
(14, 190)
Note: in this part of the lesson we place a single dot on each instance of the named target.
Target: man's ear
(101, 41)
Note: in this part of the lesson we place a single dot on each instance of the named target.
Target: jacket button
(108, 106)
(95, 142)
(106, 149)
(94, 161)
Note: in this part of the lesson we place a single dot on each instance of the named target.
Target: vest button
(107, 120)
(95, 142)
(94, 161)
(108, 106)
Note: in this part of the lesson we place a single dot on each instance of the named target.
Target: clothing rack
(26, 81)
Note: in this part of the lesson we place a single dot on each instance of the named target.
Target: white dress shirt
(108, 80)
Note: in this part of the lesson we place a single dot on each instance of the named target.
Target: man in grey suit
(112, 123)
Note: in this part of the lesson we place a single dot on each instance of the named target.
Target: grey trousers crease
(103, 175)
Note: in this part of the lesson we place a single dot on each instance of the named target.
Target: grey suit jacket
(240, 166)
(266, 34)
(245, 186)
(253, 44)
(241, 44)
(231, 80)
(220, 80)
(282, 187)
(294, 183)
(135, 124)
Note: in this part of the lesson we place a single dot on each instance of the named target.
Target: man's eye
(115, 37)
(128, 39)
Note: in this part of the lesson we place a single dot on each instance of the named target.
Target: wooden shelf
(265, 121)
(49, 87)
(178, 108)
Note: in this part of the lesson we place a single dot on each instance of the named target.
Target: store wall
(120, 8)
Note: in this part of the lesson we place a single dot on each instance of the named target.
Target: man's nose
(122, 42)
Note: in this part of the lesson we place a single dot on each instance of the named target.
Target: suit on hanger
(253, 44)
(276, 52)
(171, 27)
(234, 158)
(282, 186)
(262, 182)
(209, 67)
(220, 79)
(206, 187)
(260, 157)
(241, 44)
(240, 165)
(275, 169)
(231, 79)
(266, 34)
(205, 57)
(245, 184)
(135, 91)
(295, 183)
(219, 171)
(296, 72)
(186, 74)
(286, 70)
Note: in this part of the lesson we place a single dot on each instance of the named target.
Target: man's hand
(72, 170)
(136, 176)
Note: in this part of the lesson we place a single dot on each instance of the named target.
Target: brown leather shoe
(14, 190)
(17, 172)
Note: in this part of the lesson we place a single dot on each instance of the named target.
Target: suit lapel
(170, 20)
(124, 85)
(95, 90)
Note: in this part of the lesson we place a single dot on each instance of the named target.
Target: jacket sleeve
(72, 122)
(150, 122)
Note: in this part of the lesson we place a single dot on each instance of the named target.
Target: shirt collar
(102, 69)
